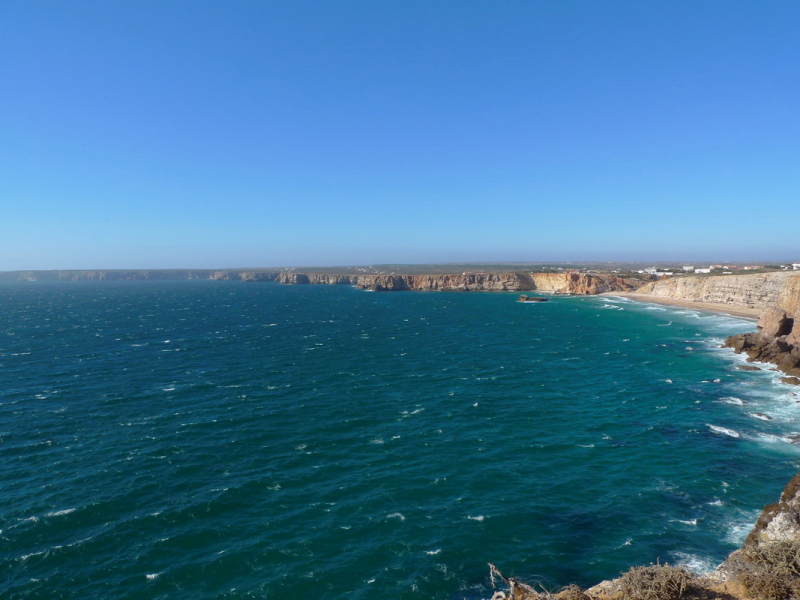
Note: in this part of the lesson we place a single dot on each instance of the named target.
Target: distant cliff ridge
(563, 283)
(134, 275)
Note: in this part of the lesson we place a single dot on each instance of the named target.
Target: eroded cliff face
(471, 282)
(563, 283)
(580, 283)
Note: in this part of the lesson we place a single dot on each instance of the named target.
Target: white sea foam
(716, 502)
(396, 515)
(761, 416)
(59, 513)
(694, 563)
(478, 518)
(723, 430)
(733, 400)
(152, 576)
(737, 528)
(692, 522)
(377, 441)
(433, 552)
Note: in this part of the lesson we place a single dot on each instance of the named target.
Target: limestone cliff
(757, 290)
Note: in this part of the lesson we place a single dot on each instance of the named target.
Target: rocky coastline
(563, 283)
(767, 566)
(776, 296)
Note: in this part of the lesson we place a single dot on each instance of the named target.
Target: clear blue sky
(220, 134)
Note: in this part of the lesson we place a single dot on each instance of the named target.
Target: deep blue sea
(204, 439)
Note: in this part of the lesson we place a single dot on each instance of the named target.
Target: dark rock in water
(761, 346)
(748, 368)
(791, 380)
(524, 298)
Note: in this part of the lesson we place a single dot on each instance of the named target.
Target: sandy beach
(727, 309)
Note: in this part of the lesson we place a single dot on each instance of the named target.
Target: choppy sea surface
(201, 439)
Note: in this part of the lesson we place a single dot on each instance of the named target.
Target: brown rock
(775, 322)
(748, 368)
(794, 337)
(788, 362)
(791, 380)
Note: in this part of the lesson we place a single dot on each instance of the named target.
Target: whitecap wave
(723, 430)
(732, 400)
(59, 513)
(761, 416)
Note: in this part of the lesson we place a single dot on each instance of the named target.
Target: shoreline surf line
(742, 312)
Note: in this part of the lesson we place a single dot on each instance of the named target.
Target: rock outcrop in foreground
(766, 567)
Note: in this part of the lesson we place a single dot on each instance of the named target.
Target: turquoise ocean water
(206, 439)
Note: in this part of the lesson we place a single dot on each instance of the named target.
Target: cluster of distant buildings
(726, 269)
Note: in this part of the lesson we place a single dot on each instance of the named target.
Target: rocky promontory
(775, 295)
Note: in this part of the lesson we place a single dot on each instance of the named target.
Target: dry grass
(767, 571)
(656, 582)
(572, 592)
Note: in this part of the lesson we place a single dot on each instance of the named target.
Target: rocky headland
(774, 296)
